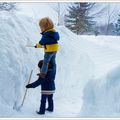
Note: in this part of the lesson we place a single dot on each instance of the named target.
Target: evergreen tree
(7, 6)
(117, 26)
(78, 19)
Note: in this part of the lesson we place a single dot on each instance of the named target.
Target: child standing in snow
(47, 88)
(49, 42)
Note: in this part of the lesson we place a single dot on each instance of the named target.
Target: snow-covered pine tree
(78, 19)
(117, 26)
(7, 6)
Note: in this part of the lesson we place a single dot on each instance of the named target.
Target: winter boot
(40, 113)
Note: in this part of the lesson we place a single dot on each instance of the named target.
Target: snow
(37, 11)
(17, 62)
(15, 56)
(101, 97)
(87, 80)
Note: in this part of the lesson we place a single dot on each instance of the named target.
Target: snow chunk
(102, 96)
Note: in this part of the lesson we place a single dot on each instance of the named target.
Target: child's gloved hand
(38, 74)
(42, 75)
(35, 46)
(29, 86)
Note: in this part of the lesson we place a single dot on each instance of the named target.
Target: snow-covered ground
(87, 81)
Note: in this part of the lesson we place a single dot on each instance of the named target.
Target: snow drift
(81, 61)
(101, 97)
(16, 32)
(16, 60)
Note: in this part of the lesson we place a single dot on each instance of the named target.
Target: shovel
(24, 94)
(29, 46)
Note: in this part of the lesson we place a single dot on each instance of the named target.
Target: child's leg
(47, 58)
(43, 104)
(50, 103)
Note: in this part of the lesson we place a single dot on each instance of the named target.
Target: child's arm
(35, 84)
(39, 46)
(41, 43)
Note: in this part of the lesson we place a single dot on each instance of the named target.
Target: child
(49, 42)
(47, 88)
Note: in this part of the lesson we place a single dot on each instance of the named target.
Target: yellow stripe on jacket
(49, 48)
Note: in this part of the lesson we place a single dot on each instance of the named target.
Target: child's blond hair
(45, 24)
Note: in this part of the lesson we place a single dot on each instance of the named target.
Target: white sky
(101, 18)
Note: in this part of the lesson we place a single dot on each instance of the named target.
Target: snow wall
(16, 31)
(102, 96)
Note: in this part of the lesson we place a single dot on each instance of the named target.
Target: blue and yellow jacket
(49, 41)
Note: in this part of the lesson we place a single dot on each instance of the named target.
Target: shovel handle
(29, 46)
(26, 89)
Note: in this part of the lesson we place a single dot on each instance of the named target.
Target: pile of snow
(17, 61)
(102, 50)
(81, 61)
(102, 96)
(72, 75)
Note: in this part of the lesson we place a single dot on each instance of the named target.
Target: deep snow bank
(102, 96)
(16, 62)
(74, 70)
(72, 62)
